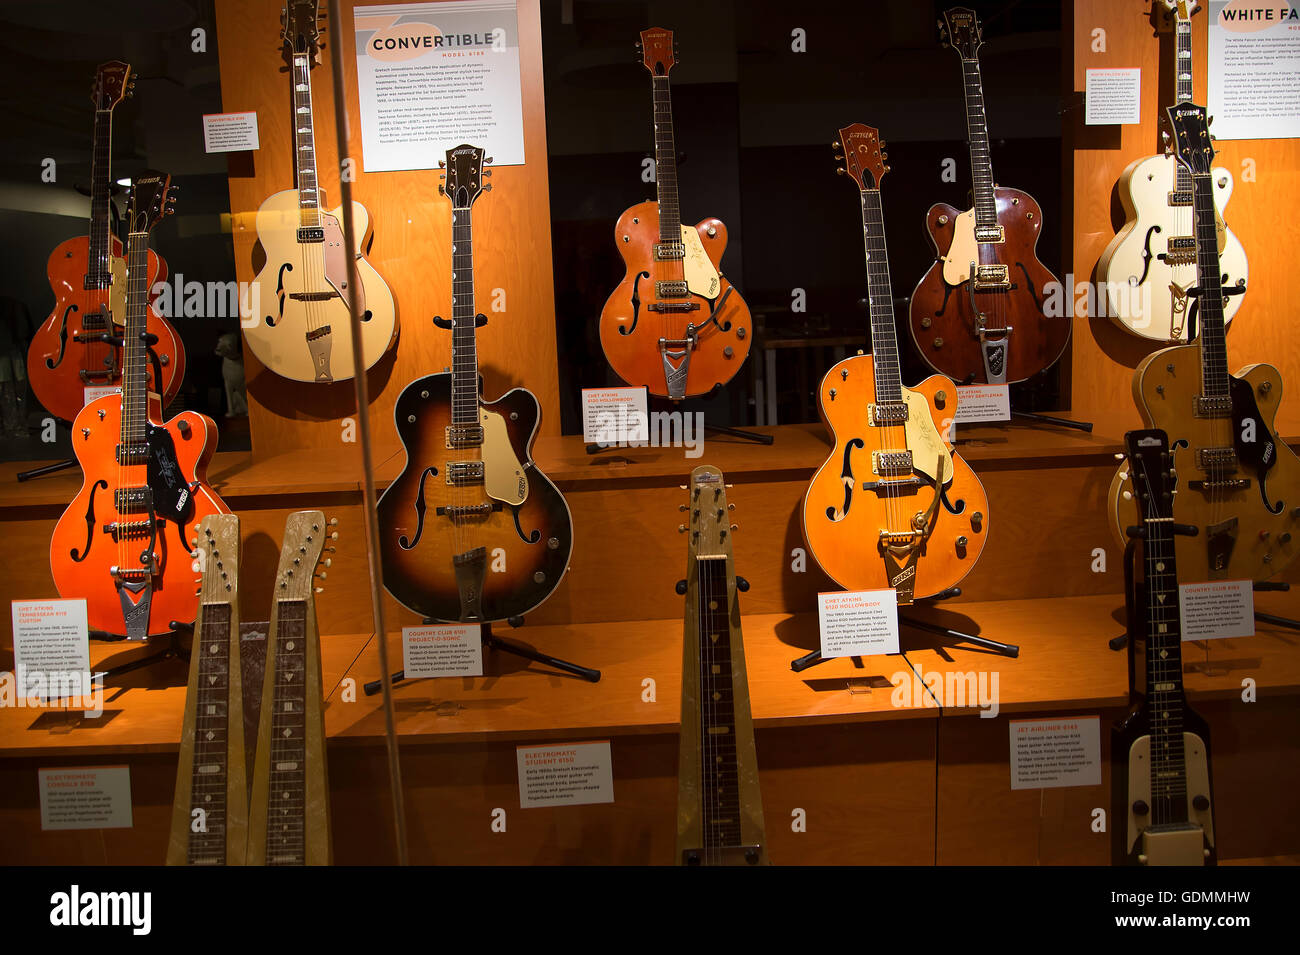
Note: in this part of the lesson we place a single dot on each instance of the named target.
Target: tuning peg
(322, 575)
(489, 160)
(328, 562)
(839, 170)
(487, 187)
(441, 190)
(442, 164)
(320, 590)
(836, 145)
(487, 172)
(888, 168)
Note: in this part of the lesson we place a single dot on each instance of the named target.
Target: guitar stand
(1050, 419)
(1275, 620)
(170, 650)
(45, 469)
(956, 636)
(493, 642)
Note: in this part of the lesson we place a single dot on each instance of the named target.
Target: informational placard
(858, 623)
(1053, 753)
(453, 650)
(983, 403)
(51, 649)
(90, 392)
(1254, 69)
(1112, 97)
(229, 132)
(85, 797)
(433, 76)
(1215, 609)
(615, 417)
(568, 774)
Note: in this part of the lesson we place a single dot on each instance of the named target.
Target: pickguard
(170, 494)
(929, 451)
(1261, 454)
(503, 474)
(962, 251)
(701, 277)
(336, 263)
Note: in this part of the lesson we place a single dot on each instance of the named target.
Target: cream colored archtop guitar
(302, 331)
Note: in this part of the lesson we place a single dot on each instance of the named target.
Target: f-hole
(279, 294)
(420, 509)
(846, 475)
(90, 521)
(532, 538)
(636, 304)
(53, 363)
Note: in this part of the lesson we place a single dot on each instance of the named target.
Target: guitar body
(1134, 270)
(58, 366)
(83, 552)
(842, 521)
(631, 328)
(535, 534)
(307, 339)
(1241, 536)
(943, 320)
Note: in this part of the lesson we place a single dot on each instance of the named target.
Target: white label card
(454, 650)
(1253, 64)
(983, 403)
(86, 797)
(1052, 753)
(1113, 97)
(90, 392)
(1215, 609)
(858, 623)
(229, 132)
(569, 774)
(615, 417)
(51, 650)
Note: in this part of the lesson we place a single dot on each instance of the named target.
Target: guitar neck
(135, 358)
(1182, 94)
(212, 725)
(884, 336)
(304, 142)
(286, 817)
(1214, 352)
(670, 218)
(98, 266)
(719, 765)
(464, 340)
(1164, 676)
(977, 131)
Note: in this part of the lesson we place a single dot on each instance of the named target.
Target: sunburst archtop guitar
(303, 287)
(674, 324)
(978, 313)
(894, 506)
(79, 346)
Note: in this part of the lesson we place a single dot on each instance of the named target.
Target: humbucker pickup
(671, 290)
(464, 473)
(670, 250)
(1208, 459)
(1181, 250)
(132, 500)
(311, 234)
(887, 412)
(992, 277)
(464, 435)
(318, 333)
(989, 233)
(887, 463)
(1219, 406)
(1179, 198)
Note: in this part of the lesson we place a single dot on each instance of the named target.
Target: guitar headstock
(114, 82)
(960, 29)
(710, 524)
(152, 198)
(1151, 473)
(301, 25)
(1181, 10)
(465, 170)
(862, 152)
(1192, 140)
(216, 547)
(305, 537)
(657, 51)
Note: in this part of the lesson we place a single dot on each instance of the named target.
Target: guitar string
(880, 347)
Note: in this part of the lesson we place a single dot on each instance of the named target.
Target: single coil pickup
(94, 322)
(1180, 198)
(132, 500)
(886, 463)
(1211, 459)
(316, 334)
(128, 530)
(459, 513)
(1219, 406)
(886, 412)
(666, 251)
(464, 473)
(908, 486)
(314, 296)
(1221, 484)
(464, 436)
(311, 234)
(992, 277)
(132, 454)
(673, 307)
(989, 233)
(671, 290)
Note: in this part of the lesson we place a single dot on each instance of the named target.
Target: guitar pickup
(1211, 459)
(990, 233)
(671, 290)
(1181, 250)
(886, 412)
(1219, 406)
(132, 454)
(464, 473)
(132, 500)
(311, 234)
(667, 251)
(464, 436)
(1180, 198)
(891, 463)
(992, 277)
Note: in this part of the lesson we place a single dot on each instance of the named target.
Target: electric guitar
(124, 542)
(289, 811)
(674, 324)
(469, 494)
(79, 346)
(977, 314)
(210, 811)
(1161, 750)
(894, 506)
(719, 808)
(303, 287)
(1149, 268)
(1241, 484)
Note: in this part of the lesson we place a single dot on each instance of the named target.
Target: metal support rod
(369, 507)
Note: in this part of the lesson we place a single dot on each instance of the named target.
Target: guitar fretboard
(464, 343)
(977, 130)
(1182, 90)
(98, 270)
(670, 217)
(719, 768)
(286, 815)
(1164, 674)
(1214, 349)
(135, 361)
(211, 727)
(304, 143)
(880, 301)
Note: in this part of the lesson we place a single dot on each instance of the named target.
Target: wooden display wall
(412, 237)
(1262, 331)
